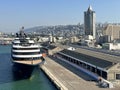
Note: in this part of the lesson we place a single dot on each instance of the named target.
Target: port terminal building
(98, 63)
(104, 65)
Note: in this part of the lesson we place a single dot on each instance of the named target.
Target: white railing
(31, 46)
(37, 50)
(27, 56)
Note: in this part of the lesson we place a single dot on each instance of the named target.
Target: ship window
(20, 59)
(26, 53)
(25, 48)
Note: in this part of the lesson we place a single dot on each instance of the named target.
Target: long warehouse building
(104, 65)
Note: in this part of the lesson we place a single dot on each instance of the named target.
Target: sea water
(37, 81)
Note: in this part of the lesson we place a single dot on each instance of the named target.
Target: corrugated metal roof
(89, 59)
(100, 55)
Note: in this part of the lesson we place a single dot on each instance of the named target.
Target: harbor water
(8, 81)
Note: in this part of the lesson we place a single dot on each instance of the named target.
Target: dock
(65, 79)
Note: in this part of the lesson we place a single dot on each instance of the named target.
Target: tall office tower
(89, 22)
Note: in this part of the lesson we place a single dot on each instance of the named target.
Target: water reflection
(10, 72)
(5, 68)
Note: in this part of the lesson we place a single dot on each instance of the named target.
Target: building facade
(111, 46)
(112, 31)
(89, 22)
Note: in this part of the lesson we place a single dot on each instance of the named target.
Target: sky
(30, 13)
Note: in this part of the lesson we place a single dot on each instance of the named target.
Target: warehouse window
(118, 76)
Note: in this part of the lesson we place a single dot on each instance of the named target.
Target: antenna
(22, 28)
(22, 32)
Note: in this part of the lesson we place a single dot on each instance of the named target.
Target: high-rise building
(89, 22)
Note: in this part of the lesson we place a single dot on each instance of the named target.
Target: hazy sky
(30, 13)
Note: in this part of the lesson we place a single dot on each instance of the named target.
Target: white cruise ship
(25, 52)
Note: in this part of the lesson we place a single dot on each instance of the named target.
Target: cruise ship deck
(29, 62)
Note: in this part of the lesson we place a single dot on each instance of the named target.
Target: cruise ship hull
(24, 71)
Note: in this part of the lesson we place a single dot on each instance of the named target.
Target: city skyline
(30, 13)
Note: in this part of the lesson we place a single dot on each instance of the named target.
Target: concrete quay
(64, 79)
